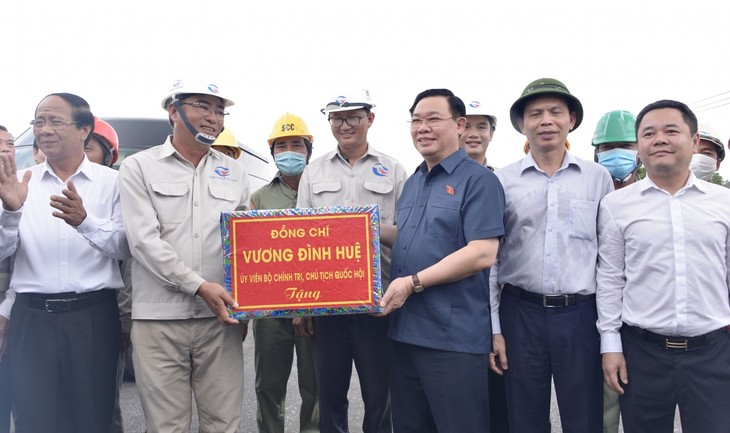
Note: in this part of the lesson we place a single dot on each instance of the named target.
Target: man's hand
(70, 206)
(395, 296)
(498, 357)
(12, 192)
(303, 326)
(614, 368)
(217, 299)
(4, 325)
(124, 342)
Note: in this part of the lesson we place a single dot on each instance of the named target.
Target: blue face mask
(619, 162)
(290, 163)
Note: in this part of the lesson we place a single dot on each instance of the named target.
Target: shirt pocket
(402, 211)
(442, 219)
(326, 193)
(223, 200)
(380, 193)
(170, 201)
(582, 219)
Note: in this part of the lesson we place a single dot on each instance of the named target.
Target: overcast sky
(276, 56)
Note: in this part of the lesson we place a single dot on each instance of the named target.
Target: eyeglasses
(53, 123)
(206, 110)
(431, 121)
(350, 120)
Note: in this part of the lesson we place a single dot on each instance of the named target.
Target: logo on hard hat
(222, 171)
(380, 170)
(213, 88)
(475, 104)
(341, 100)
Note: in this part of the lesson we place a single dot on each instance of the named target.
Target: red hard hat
(105, 131)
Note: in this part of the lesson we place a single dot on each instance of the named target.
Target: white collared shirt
(550, 242)
(51, 255)
(663, 260)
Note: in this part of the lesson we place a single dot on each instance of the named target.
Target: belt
(65, 302)
(674, 342)
(548, 301)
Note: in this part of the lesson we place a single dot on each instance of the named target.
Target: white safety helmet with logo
(181, 89)
(349, 101)
(475, 108)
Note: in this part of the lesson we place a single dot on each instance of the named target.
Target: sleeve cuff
(496, 327)
(611, 342)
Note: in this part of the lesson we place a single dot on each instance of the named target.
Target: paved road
(134, 419)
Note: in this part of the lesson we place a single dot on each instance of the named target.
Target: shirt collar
(568, 159)
(86, 168)
(692, 182)
(448, 164)
(369, 151)
(168, 149)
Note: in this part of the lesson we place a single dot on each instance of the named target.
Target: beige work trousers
(176, 359)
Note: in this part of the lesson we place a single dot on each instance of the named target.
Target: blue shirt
(438, 213)
(550, 245)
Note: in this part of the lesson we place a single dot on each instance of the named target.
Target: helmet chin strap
(199, 136)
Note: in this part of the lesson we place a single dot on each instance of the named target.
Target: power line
(712, 108)
(712, 102)
(709, 97)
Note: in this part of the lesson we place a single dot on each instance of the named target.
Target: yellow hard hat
(226, 138)
(289, 125)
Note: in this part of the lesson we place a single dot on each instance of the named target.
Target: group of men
(537, 271)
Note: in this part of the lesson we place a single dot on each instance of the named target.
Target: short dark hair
(687, 115)
(456, 105)
(80, 111)
(2, 128)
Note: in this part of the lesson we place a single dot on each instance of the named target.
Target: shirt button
(195, 203)
(196, 235)
(197, 268)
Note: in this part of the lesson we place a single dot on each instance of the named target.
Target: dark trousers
(438, 391)
(64, 365)
(698, 380)
(498, 415)
(561, 344)
(337, 342)
(6, 402)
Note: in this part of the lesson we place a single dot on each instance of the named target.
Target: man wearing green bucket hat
(543, 286)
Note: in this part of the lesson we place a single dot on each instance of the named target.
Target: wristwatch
(417, 286)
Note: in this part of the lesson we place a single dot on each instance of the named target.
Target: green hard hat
(543, 87)
(617, 126)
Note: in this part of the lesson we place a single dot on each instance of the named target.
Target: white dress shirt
(550, 244)
(663, 260)
(51, 255)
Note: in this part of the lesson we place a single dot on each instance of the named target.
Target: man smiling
(543, 287)
(172, 198)
(663, 284)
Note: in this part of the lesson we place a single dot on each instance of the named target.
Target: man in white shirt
(662, 284)
(543, 287)
(62, 220)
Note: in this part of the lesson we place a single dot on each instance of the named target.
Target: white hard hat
(349, 101)
(475, 108)
(707, 133)
(180, 87)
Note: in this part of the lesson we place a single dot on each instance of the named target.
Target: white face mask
(703, 166)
